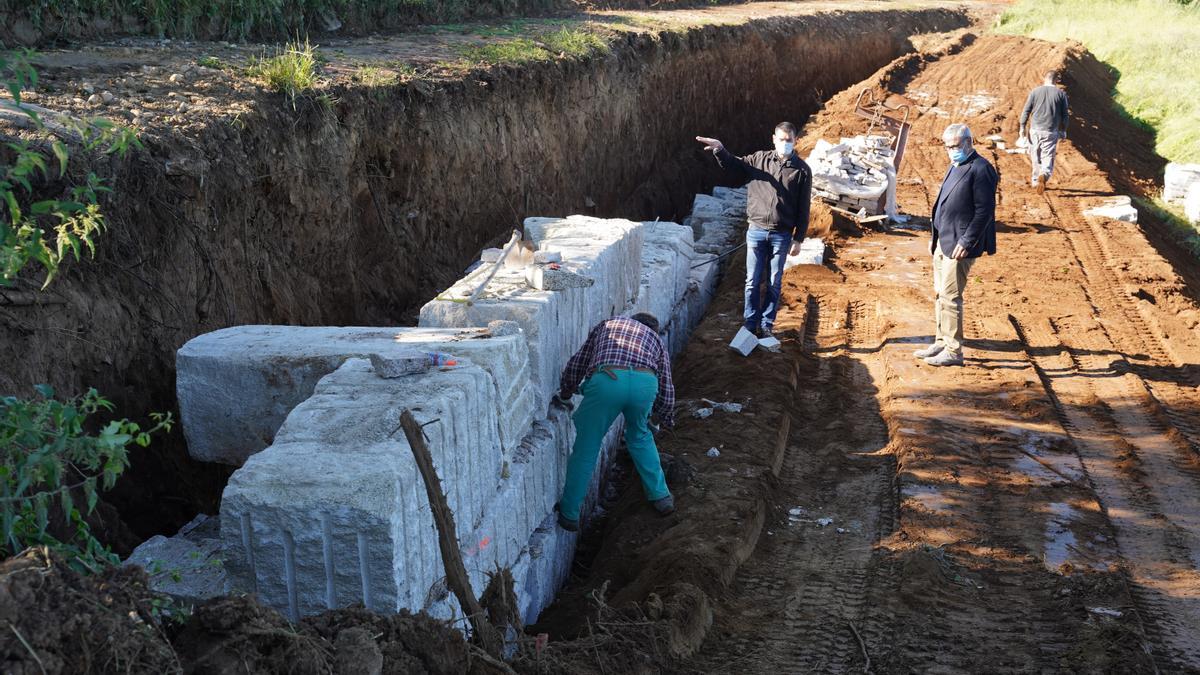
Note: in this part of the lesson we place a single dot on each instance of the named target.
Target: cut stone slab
(399, 365)
(1116, 208)
(771, 344)
(812, 252)
(744, 342)
(1177, 180)
(187, 566)
(237, 385)
(667, 255)
(1191, 204)
(547, 279)
(335, 511)
(547, 257)
(556, 323)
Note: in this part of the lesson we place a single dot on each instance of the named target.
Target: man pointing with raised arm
(780, 193)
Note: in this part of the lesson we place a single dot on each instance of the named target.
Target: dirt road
(1035, 511)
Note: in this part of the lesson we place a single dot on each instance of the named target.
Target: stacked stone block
(328, 508)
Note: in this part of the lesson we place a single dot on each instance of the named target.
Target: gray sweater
(1049, 107)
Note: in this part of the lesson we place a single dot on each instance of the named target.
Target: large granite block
(237, 385)
(555, 323)
(335, 511)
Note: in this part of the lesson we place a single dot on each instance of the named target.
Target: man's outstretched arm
(727, 160)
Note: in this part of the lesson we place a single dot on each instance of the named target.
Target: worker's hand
(795, 249)
(562, 401)
(711, 144)
(959, 252)
(655, 428)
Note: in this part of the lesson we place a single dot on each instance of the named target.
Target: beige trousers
(949, 280)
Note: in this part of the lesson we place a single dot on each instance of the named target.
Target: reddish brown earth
(1037, 510)
(1033, 511)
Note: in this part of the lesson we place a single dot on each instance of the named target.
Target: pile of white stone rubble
(1181, 186)
(327, 508)
(854, 174)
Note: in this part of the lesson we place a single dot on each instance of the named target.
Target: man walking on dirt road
(1046, 114)
(625, 370)
(963, 225)
(780, 193)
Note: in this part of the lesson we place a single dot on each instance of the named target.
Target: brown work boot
(1040, 184)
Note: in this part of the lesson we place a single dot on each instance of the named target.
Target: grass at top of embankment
(1153, 44)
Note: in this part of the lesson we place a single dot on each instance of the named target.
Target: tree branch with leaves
(46, 231)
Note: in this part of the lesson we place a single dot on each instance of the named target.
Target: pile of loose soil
(55, 620)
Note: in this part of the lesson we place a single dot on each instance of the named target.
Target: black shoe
(664, 506)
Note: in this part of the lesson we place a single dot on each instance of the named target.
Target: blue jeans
(763, 248)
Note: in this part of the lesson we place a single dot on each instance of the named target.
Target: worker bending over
(625, 370)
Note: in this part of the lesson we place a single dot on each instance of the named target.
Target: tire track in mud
(805, 598)
(1121, 392)
(1173, 387)
(979, 590)
(1148, 484)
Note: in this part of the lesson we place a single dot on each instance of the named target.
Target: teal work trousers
(631, 394)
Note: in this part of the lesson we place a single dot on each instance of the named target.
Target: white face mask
(784, 148)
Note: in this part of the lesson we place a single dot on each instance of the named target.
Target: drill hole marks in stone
(364, 572)
(248, 545)
(327, 551)
(289, 568)
(314, 392)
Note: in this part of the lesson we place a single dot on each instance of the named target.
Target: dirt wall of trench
(359, 213)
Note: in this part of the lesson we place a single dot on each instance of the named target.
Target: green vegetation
(46, 231)
(570, 42)
(1153, 44)
(51, 466)
(564, 42)
(240, 19)
(373, 76)
(292, 71)
(48, 461)
(519, 50)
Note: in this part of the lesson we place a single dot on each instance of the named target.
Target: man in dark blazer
(964, 228)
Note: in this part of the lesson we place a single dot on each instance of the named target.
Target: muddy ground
(355, 204)
(1034, 511)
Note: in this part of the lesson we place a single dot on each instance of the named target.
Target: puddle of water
(928, 497)
(1065, 463)
(1059, 537)
(1036, 471)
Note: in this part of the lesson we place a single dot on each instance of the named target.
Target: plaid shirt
(625, 343)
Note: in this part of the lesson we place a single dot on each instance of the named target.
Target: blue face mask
(959, 155)
(784, 148)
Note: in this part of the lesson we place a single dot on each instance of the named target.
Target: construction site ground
(1037, 510)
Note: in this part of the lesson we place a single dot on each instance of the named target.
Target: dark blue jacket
(965, 209)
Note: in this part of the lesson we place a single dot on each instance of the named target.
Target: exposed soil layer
(354, 211)
(1034, 511)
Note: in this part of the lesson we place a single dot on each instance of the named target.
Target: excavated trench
(358, 213)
